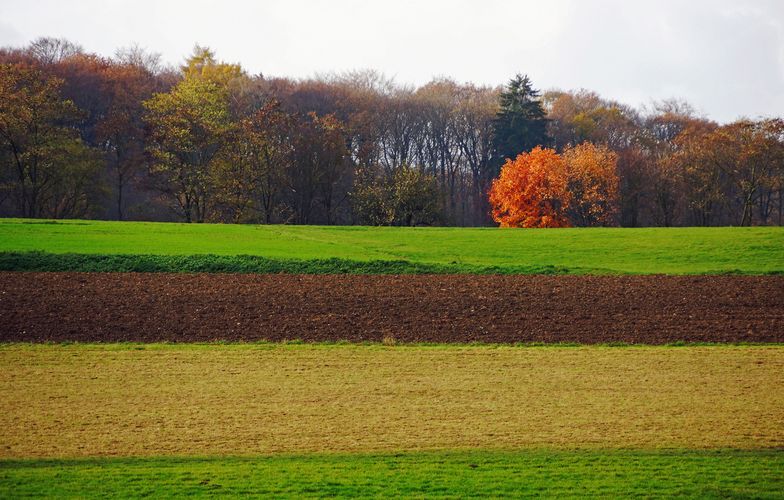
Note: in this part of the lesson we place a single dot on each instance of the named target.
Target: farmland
(364, 420)
(758, 250)
(301, 361)
(584, 473)
(152, 400)
(158, 307)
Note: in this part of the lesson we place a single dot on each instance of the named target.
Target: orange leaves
(593, 184)
(545, 189)
(531, 191)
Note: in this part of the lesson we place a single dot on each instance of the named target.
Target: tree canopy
(127, 137)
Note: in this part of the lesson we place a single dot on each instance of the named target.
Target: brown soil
(113, 307)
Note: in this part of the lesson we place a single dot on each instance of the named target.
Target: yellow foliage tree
(592, 176)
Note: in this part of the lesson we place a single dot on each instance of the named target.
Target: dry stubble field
(161, 400)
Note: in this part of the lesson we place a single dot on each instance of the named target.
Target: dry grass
(68, 401)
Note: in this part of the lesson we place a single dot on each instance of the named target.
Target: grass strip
(36, 261)
(592, 473)
(709, 250)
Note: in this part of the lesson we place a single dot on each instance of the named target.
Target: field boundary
(343, 344)
(40, 261)
(434, 453)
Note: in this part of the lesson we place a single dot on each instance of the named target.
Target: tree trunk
(119, 196)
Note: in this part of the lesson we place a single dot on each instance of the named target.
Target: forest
(129, 138)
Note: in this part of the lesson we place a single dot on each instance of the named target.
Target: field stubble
(154, 400)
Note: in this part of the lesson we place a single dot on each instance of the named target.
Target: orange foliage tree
(593, 184)
(531, 191)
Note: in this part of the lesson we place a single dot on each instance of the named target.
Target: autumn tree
(583, 116)
(532, 191)
(50, 50)
(592, 184)
(521, 122)
(84, 78)
(319, 164)
(633, 190)
(332, 156)
(665, 177)
(137, 57)
(256, 160)
(202, 65)
(703, 182)
(270, 131)
(771, 195)
(408, 197)
(749, 152)
(120, 130)
(188, 127)
(49, 171)
(473, 117)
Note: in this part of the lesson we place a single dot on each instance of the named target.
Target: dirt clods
(116, 307)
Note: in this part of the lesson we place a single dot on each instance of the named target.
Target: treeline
(127, 138)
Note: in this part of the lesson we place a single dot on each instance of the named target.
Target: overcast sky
(725, 57)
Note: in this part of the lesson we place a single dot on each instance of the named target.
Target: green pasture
(143, 246)
(454, 474)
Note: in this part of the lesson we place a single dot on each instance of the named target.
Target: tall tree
(255, 163)
(521, 123)
(51, 172)
(474, 117)
(593, 184)
(750, 153)
(319, 164)
(665, 178)
(704, 183)
(49, 50)
(120, 131)
(187, 129)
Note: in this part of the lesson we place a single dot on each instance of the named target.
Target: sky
(725, 57)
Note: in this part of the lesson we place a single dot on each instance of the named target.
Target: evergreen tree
(520, 124)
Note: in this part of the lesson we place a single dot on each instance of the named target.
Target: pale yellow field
(67, 401)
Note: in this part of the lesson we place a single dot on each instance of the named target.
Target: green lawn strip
(578, 473)
(51, 262)
(36, 261)
(279, 248)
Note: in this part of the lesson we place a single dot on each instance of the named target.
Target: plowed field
(115, 307)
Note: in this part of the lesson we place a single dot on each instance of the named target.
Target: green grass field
(136, 246)
(660, 474)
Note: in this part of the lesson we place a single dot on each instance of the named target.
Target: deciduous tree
(531, 191)
(319, 165)
(407, 198)
(49, 170)
(188, 126)
(593, 185)
(120, 130)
